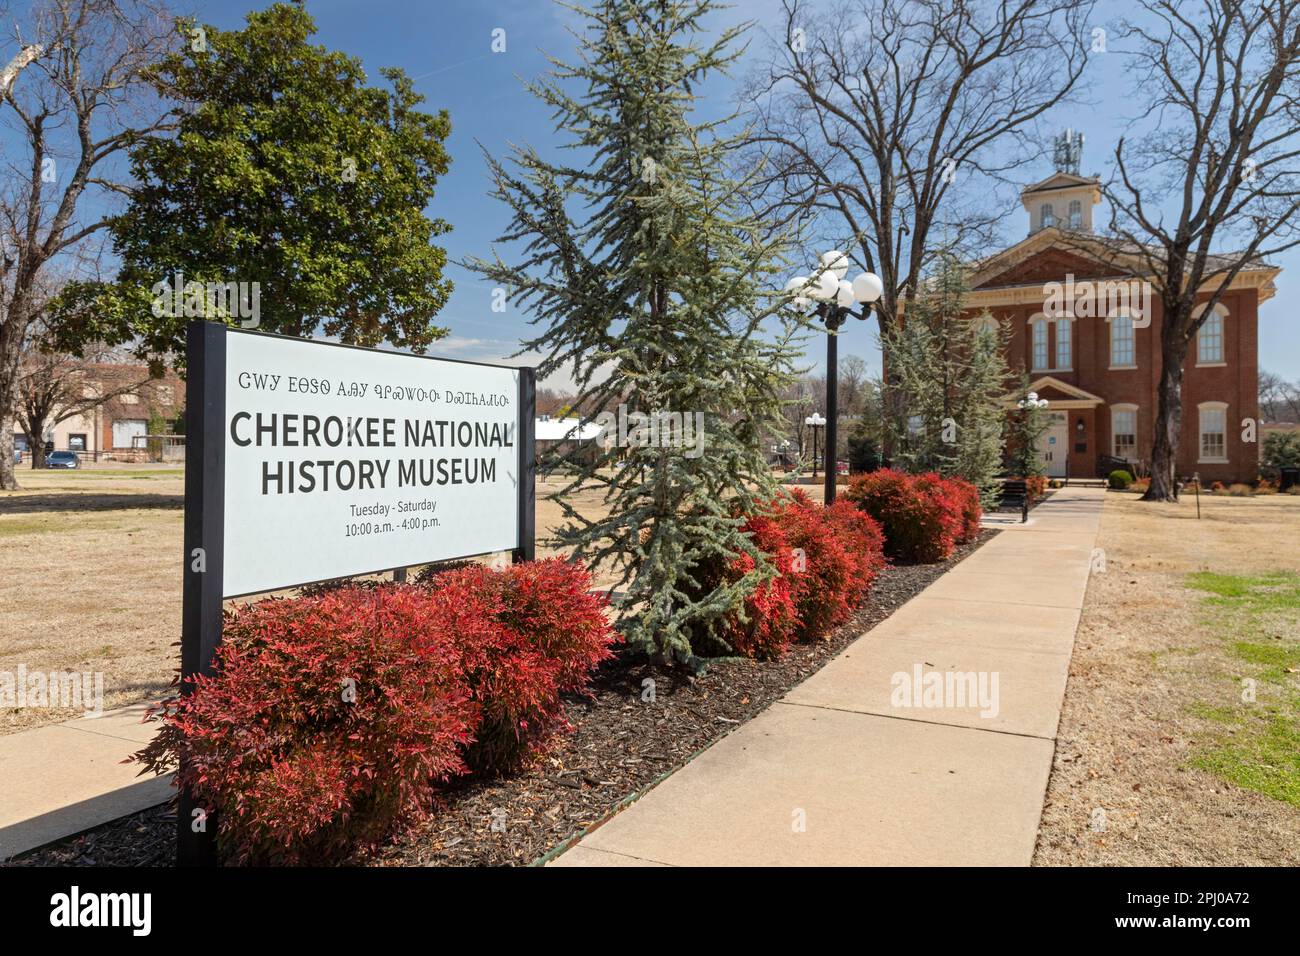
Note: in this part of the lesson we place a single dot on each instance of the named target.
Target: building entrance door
(1053, 447)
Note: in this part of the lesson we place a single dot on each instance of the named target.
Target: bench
(1016, 491)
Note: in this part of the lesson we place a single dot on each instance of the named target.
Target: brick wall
(1234, 382)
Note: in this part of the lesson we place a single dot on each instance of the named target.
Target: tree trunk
(8, 399)
(8, 480)
(1169, 417)
(13, 330)
(36, 444)
(892, 413)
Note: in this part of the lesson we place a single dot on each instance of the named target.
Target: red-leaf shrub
(765, 625)
(864, 541)
(825, 559)
(971, 511)
(920, 518)
(526, 634)
(836, 555)
(332, 717)
(761, 623)
(961, 497)
(328, 723)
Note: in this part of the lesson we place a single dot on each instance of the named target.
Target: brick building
(1086, 329)
(114, 428)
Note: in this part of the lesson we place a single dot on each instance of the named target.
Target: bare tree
(880, 118)
(1216, 164)
(854, 381)
(802, 397)
(1279, 400)
(551, 401)
(54, 387)
(73, 99)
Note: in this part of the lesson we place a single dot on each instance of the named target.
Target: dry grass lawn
(90, 580)
(1162, 758)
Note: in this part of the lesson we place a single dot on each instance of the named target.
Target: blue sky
(445, 46)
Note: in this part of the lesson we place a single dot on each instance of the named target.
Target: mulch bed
(620, 745)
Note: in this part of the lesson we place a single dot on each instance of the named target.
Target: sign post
(309, 461)
(205, 475)
(526, 550)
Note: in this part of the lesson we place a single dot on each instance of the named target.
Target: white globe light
(802, 303)
(868, 287)
(844, 297)
(1033, 396)
(825, 287)
(796, 284)
(836, 262)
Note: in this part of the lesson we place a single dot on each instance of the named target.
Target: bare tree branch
(1211, 163)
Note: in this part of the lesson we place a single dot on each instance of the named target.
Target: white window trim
(1121, 312)
(1222, 312)
(1051, 320)
(1123, 407)
(1200, 433)
(1070, 325)
(1047, 344)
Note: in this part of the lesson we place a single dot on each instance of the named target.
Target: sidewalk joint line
(917, 720)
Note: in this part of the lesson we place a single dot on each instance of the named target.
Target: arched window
(1122, 352)
(1064, 347)
(1123, 431)
(1209, 339)
(1038, 329)
(1045, 216)
(986, 325)
(1213, 431)
(1076, 214)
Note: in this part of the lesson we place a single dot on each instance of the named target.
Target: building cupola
(1065, 199)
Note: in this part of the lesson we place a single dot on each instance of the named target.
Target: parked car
(62, 459)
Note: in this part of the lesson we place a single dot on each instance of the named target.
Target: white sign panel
(342, 461)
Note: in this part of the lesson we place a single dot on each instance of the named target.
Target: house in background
(1099, 367)
(565, 439)
(116, 428)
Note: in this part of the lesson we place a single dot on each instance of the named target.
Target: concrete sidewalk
(842, 772)
(64, 778)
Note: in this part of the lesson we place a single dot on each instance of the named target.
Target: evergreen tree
(651, 285)
(951, 374)
(1028, 424)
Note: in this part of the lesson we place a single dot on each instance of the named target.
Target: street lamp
(833, 299)
(1032, 401)
(814, 421)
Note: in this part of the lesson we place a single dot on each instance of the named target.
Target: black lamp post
(834, 299)
(814, 422)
